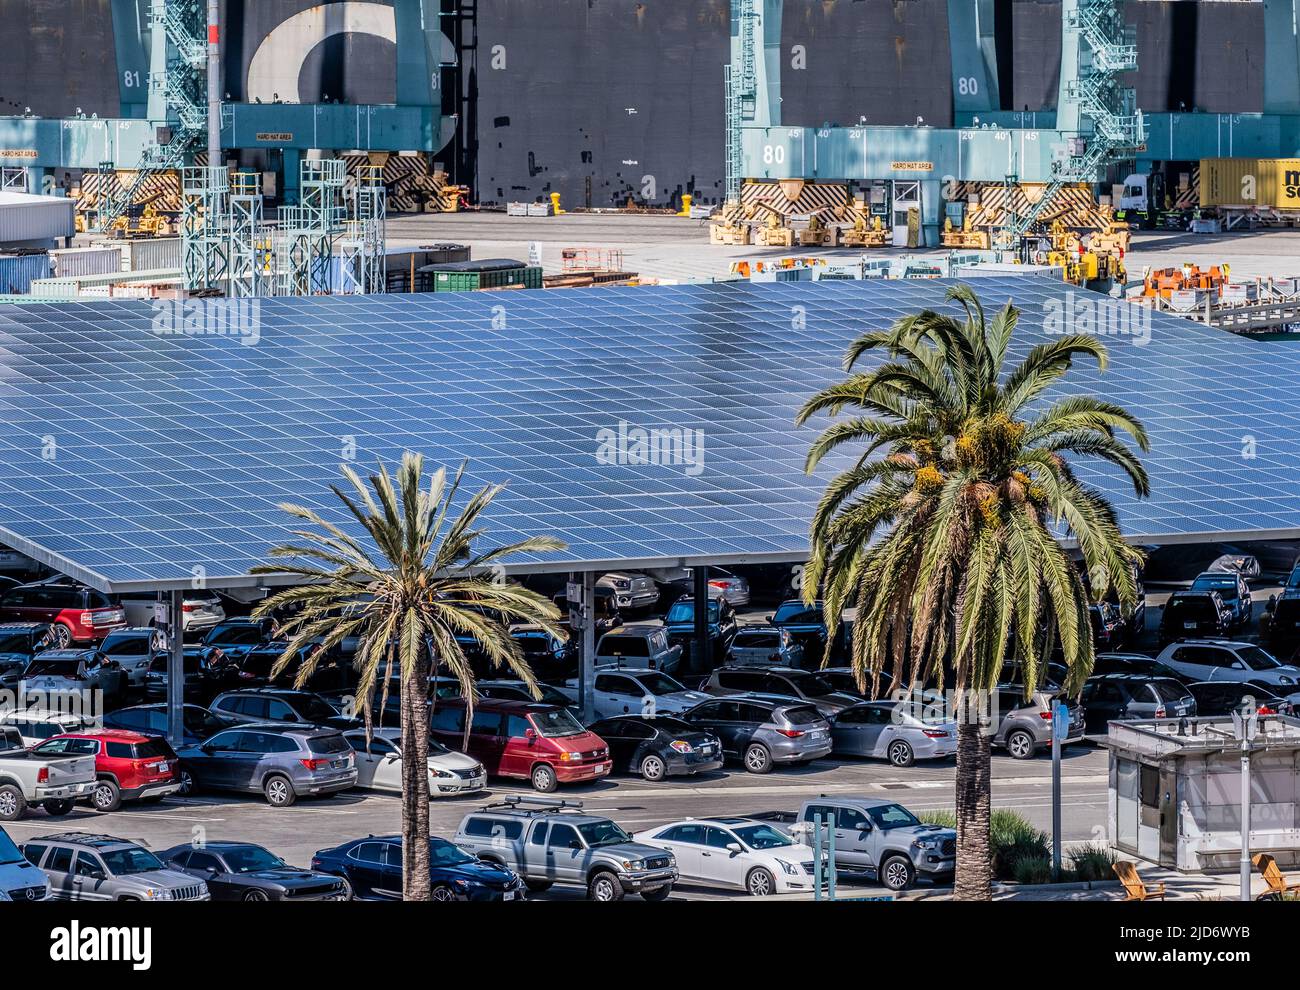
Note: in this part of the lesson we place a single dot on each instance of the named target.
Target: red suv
(130, 766)
(76, 614)
(541, 743)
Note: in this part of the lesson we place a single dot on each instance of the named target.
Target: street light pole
(1245, 725)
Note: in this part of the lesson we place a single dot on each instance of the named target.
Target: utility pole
(214, 83)
(1244, 726)
(1060, 732)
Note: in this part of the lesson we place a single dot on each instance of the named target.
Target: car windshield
(683, 610)
(1225, 585)
(889, 816)
(444, 853)
(603, 833)
(235, 636)
(812, 685)
(132, 860)
(251, 859)
(67, 668)
(762, 837)
(15, 642)
(9, 853)
(557, 722)
(659, 684)
(1293, 580)
(1256, 659)
(797, 612)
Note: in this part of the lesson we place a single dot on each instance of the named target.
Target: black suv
(1194, 615)
(280, 705)
(19, 642)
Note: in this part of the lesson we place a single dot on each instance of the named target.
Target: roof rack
(532, 805)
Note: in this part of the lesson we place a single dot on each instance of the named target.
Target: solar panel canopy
(137, 459)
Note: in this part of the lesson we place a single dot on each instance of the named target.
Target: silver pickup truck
(52, 782)
(547, 842)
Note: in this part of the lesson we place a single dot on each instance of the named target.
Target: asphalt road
(295, 833)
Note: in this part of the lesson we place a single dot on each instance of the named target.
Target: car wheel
(900, 754)
(279, 792)
(347, 893)
(12, 803)
(544, 778)
(604, 886)
(538, 886)
(758, 759)
(760, 882)
(57, 808)
(897, 873)
(442, 893)
(652, 767)
(1020, 744)
(187, 784)
(256, 895)
(60, 636)
(106, 796)
(658, 894)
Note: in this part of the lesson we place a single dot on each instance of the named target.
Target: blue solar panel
(130, 458)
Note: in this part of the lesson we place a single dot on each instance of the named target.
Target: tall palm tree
(943, 534)
(407, 592)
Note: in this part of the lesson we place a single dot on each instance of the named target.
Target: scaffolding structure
(252, 255)
(205, 228)
(362, 267)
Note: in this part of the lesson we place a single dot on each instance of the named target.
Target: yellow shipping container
(1266, 183)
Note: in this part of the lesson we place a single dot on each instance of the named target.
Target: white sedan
(379, 764)
(735, 852)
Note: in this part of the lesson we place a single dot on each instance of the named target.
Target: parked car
(372, 870)
(1109, 698)
(513, 690)
(235, 637)
(72, 672)
(241, 871)
(727, 585)
(133, 648)
(35, 725)
(738, 853)
(197, 722)
(762, 731)
(1233, 589)
(1194, 615)
(803, 685)
(379, 764)
(76, 614)
(892, 730)
(638, 646)
(281, 762)
(544, 744)
(83, 867)
(1228, 660)
(1024, 725)
(549, 842)
(19, 643)
(765, 646)
(17, 565)
(200, 610)
(19, 879)
(129, 766)
(658, 746)
(549, 657)
(1236, 563)
(51, 781)
(807, 625)
(206, 676)
(1225, 697)
(884, 840)
(679, 622)
(628, 690)
(631, 590)
(1280, 626)
(266, 704)
(1133, 663)
(1109, 630)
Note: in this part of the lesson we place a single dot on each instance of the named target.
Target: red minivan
(541, 743)
(76, 614)
(130, 765)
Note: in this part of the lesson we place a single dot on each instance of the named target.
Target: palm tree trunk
(415, 781)
(974, 801)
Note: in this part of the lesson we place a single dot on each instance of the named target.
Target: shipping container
(35, 221)
(71, 288)
(470, 276)
(1262, 183)
(72, 262)
(19, 271)
(148, 254)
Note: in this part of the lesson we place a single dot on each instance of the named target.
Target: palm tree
(943, 533)
(407, 595)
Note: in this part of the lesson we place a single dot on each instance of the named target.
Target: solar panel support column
(176, 668)
(587, 672)
(700, 657)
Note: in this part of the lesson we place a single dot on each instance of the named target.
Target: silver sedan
(888, 730)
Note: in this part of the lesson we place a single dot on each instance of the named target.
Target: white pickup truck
(52, 782)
